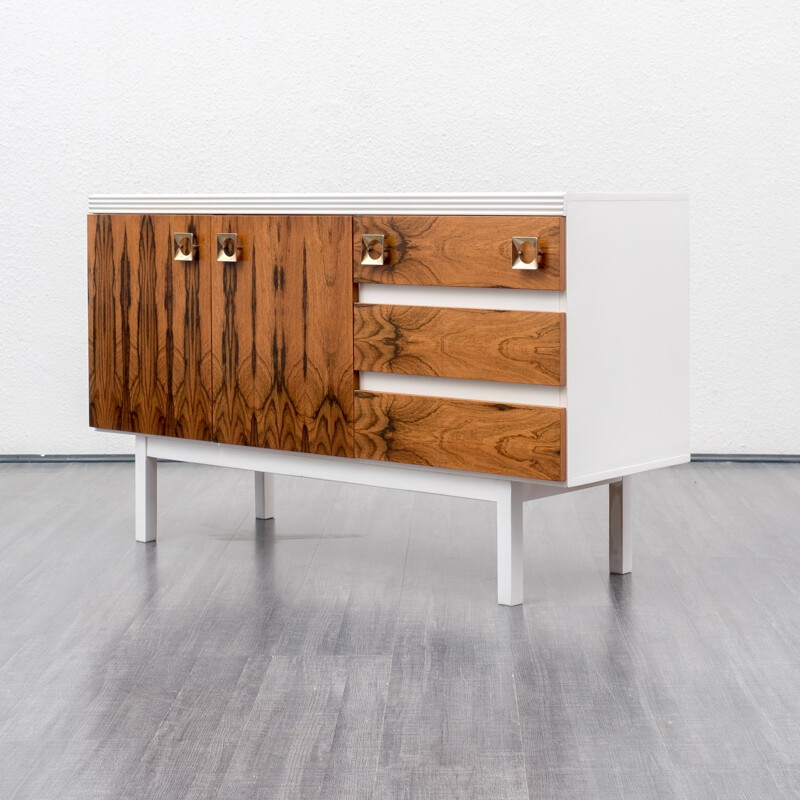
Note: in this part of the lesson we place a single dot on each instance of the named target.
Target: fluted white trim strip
(547, 203)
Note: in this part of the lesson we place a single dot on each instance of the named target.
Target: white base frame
(508, 494)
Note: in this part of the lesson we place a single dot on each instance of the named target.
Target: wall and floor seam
(112, 458)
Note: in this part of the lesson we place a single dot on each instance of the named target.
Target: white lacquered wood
(459, 297)
(302, 462)
(508, 495)
(461, 388)
(620, 533)
(627, 307)
(628, 469)
(514, 203)
(265, 495)
(625, 197)
(509, 544)
(388, 475)
(146, 492)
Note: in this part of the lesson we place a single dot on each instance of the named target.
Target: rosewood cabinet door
(149, 326)
(283, 334)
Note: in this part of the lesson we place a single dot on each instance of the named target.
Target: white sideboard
(505, 347)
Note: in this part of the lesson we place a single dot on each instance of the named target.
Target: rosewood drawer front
(458, 251)
(513, 346)
(527, 441)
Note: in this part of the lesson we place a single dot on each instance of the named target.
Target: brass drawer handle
(183, 246)
(525, 252)
(228, 247)
(372, 249)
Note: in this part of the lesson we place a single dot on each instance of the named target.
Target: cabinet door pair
(256, 351)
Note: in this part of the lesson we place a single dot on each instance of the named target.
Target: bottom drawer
(523, 441)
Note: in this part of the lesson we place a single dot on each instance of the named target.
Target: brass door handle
(183, 247)
(372, 249)
(228, 247)
(525, 253)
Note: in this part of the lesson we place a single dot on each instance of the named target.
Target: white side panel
(627, 335)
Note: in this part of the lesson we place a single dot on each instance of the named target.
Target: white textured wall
(406, 97)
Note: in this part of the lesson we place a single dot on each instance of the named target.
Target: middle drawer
(512, 346)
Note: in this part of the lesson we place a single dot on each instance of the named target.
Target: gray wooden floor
(354, 649)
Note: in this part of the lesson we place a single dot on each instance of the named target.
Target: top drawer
(459, 251)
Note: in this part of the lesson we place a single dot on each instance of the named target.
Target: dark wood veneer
(261, 352)
(514, 346)
(149, 327)
(460, 251)
(283, 334)
(499, 438)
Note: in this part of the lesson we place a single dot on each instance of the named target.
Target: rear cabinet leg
(146, 492)
(620, 533)
(265, 495)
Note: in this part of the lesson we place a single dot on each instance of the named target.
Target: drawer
(525, 441)
(513, 346)
(460, 251)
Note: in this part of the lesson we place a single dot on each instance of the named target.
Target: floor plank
(353, 648)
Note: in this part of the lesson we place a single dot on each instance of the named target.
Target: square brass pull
(183, 247)
(372, 249)
(525, 252)
(227, 247)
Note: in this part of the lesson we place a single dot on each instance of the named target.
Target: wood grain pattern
(283, 349)
(149, 327)
(460, 251)
(523, 441)
(168, 673)
(515, 346)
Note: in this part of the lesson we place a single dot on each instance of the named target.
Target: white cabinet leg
(146, 490)
(265, 495)
(509, 544)
(620, 533)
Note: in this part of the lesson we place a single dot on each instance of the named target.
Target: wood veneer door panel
(523, 441)
(283, 334)
(149, 326)
(460, 251)
(515, 346)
